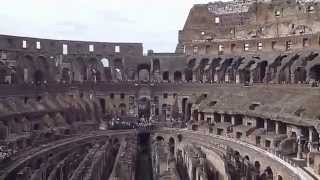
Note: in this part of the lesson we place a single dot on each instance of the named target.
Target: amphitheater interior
(239, 99)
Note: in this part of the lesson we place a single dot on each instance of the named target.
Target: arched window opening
(165, 76)
(189, 75)
(105, 62)
(177, 76)
(315, 73)
(300, 75)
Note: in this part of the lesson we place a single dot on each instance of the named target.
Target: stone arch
(268, 172)
(262, 71)
(257, 166)
(79, 70)
(43, 66)
(144, 72)
(3, 74)
(165, 76)
(159, 138)
(300, 75)
(105, 62)
(156, 70)
(66, 75)
(106, 69)
(118, 69)
(123, 109)
(171, 144)
(314, 73)
(201, 71)
(38, 77)
(26, 69)
(177, 76)
(191, 63)
(156, 65)
(144, 108)
(94, 68)
(188, 75)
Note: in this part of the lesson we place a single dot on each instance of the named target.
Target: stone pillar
(265, 126)
(299, 153)
(194, 76)
(233, 120)
(251, 76)
(222, 118)
(299, 135)
(292, 77)
(215, 77)
(237, 78)
(25, 75)
(226, 78)
(183, 77)
(277, 127)
(310, 134)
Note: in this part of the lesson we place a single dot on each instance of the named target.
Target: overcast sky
(152, 22)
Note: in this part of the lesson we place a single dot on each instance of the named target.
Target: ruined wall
(249, 26)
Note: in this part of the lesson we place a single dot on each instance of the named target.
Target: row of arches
(294, 68)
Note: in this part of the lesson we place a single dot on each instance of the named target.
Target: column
(299, 153)
(277, 127)
(292, 77)
(194, 76)
(233, 120)
(222, 118)
(251, 76)
(265, 126)
(215, 77)
(310, 134)
(226, 77)
(183, 77)
(237, 78)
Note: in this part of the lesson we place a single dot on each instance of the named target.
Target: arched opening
(180, 137)
(159, 138)
(38, 77)
(103, 105)
(188, 75)
(262, 73)
(257, 166)
(315, 73)
(144, 72)
(65, 77)
(122, 109)
(3, 74)
(164, 111)
(143, 75)
(246, 76)
(44, 66)
(171, 146)
(300, 75)
(177, 76)
(94, 68)
(107, 70)
(27, 68)
(117, 74)
(269, 174)
(144, 108)
(118, 67)
(165, 76)
(156, 65)
(201, 72)
(105, 62)
(79, 70)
